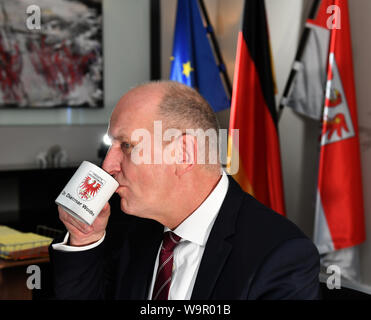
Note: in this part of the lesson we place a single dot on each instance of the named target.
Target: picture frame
(51, 54)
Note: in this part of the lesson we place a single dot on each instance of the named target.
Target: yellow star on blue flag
(193, 62)
(187, 68)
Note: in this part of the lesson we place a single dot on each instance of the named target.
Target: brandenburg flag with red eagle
(326, 62)
(254, 154)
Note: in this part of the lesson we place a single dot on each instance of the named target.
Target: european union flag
(193, 61)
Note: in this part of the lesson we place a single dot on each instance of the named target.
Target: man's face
(143, 188)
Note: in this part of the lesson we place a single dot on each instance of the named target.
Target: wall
(24, 133)
(361, 45)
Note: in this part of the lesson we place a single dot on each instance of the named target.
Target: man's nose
(111, 163)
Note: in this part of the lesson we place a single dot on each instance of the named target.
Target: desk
(13, 278)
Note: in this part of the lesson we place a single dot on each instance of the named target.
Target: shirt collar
(196, 228)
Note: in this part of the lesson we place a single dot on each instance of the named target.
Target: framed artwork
(51, 54)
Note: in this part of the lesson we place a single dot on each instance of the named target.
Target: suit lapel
(214, 257)
(217, 247)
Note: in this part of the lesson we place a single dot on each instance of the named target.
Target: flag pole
(299, 53)
(155, 39)
(214, 41)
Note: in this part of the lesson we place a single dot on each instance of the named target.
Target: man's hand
(82, 234)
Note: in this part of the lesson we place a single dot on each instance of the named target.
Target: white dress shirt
(194, 232)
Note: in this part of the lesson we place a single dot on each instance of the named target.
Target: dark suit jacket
(252, 253)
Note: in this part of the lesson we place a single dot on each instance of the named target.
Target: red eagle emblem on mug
(89, 187)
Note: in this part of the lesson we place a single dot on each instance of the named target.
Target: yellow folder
(20, 245)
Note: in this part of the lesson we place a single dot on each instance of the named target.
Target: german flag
(254, 155)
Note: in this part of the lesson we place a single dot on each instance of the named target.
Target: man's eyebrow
(119, 137)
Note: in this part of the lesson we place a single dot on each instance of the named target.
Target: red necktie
(165, 266)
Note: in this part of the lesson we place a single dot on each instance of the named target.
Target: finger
(67, 218)
(73, 230)
(63, 215)
(83, 227)
(105, 211)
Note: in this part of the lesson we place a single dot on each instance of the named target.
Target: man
(225, 244)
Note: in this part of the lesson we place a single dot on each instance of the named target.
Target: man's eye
(126, 147)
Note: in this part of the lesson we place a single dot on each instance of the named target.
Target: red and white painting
(59, 64)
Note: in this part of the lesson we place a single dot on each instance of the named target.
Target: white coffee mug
(87, 192)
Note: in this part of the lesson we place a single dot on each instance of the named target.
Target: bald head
(144, 98)
(181, 106)
(176, 105)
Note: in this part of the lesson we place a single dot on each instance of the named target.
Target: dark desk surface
(4, 264)
(14, 276)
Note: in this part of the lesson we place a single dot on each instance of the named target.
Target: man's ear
(186, 153)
